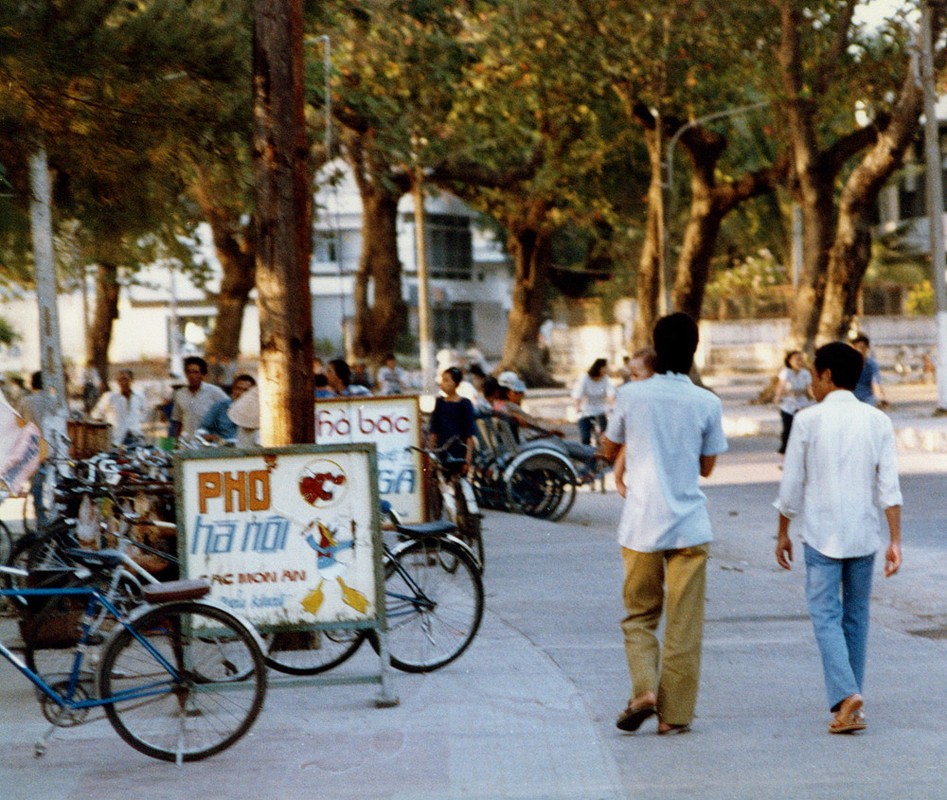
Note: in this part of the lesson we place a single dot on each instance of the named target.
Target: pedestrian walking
(792, 392)
(839, 475)
(673, 434)
(869, 389)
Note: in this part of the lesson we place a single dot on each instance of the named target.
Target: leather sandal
(850, 717)
(667, 729)
(639, 709)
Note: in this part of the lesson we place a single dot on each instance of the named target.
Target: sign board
(287, 536)
(393, 424)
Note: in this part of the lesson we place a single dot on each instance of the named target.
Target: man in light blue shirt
(672, 434)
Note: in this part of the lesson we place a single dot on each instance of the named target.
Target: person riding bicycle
(453, 419)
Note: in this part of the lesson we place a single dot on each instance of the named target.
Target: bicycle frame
(94, 600)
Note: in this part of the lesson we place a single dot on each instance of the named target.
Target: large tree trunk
(380, 310)
(106, 312)
(710, 204)
(648, 286)
(851, 252)
(530, 245)
(235, 247)
(283, 205)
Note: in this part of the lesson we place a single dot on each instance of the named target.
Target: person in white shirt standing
(839, 475)
(192, 402)
(124, 410)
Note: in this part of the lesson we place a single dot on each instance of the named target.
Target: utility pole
(424, 292)
(935, 199)
(41, 225)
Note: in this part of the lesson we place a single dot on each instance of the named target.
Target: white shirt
(666, 423)
(840, 472)
(595, 394)
(190, 408)
(124, 414)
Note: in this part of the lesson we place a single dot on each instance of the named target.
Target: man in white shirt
(840, 473)
(192, 402)
(672, 434)
(124, 410)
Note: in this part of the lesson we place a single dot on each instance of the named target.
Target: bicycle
(451, 496)
(180, 679)
(433, 607)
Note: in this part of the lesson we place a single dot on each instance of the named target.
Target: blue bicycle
(179, 679)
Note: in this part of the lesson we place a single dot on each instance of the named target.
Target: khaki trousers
(674, 675)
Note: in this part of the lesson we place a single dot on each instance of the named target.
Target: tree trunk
(282, 183)
(710, 204)
(106, 312)
(851, 252)
(236, 251)
(380, 310)
(530, 246)
(649, 265)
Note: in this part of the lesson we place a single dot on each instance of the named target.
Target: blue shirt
(871, 373)
(666, 424)
(217, 422)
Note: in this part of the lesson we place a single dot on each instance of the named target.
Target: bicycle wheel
(433, 611)
(542, 486)
(212, 699)
(310, 652)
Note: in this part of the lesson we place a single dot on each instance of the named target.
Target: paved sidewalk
(911, 411)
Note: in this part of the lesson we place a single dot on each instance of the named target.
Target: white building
(470, 282)
(469, 274)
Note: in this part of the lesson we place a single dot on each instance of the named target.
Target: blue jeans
(838, 593)
(587, 424)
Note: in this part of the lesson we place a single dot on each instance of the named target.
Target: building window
(453, 325)
(449, 246)
(324, 247)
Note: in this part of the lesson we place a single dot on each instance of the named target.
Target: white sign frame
(393, 424)
(289, 537)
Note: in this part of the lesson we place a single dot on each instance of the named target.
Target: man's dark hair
(675, 340)
(196, 360)
(36, 381)
(477, 371)
(843, 361)
(342, 370)
(862, 339)
(245, 378)
(597, 368)
(320, 381)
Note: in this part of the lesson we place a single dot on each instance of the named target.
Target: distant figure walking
(792, 392)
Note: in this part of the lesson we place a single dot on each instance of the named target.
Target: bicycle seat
(439, 527)
(95, 559)
(174, 590)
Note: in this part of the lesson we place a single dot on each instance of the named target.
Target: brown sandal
(850, 717)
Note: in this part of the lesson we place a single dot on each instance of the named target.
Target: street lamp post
(935, 200)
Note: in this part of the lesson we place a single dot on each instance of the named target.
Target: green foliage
(8, 335)
(754, 286)
(920, 300)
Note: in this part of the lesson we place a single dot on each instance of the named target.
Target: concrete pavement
(529, 710)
